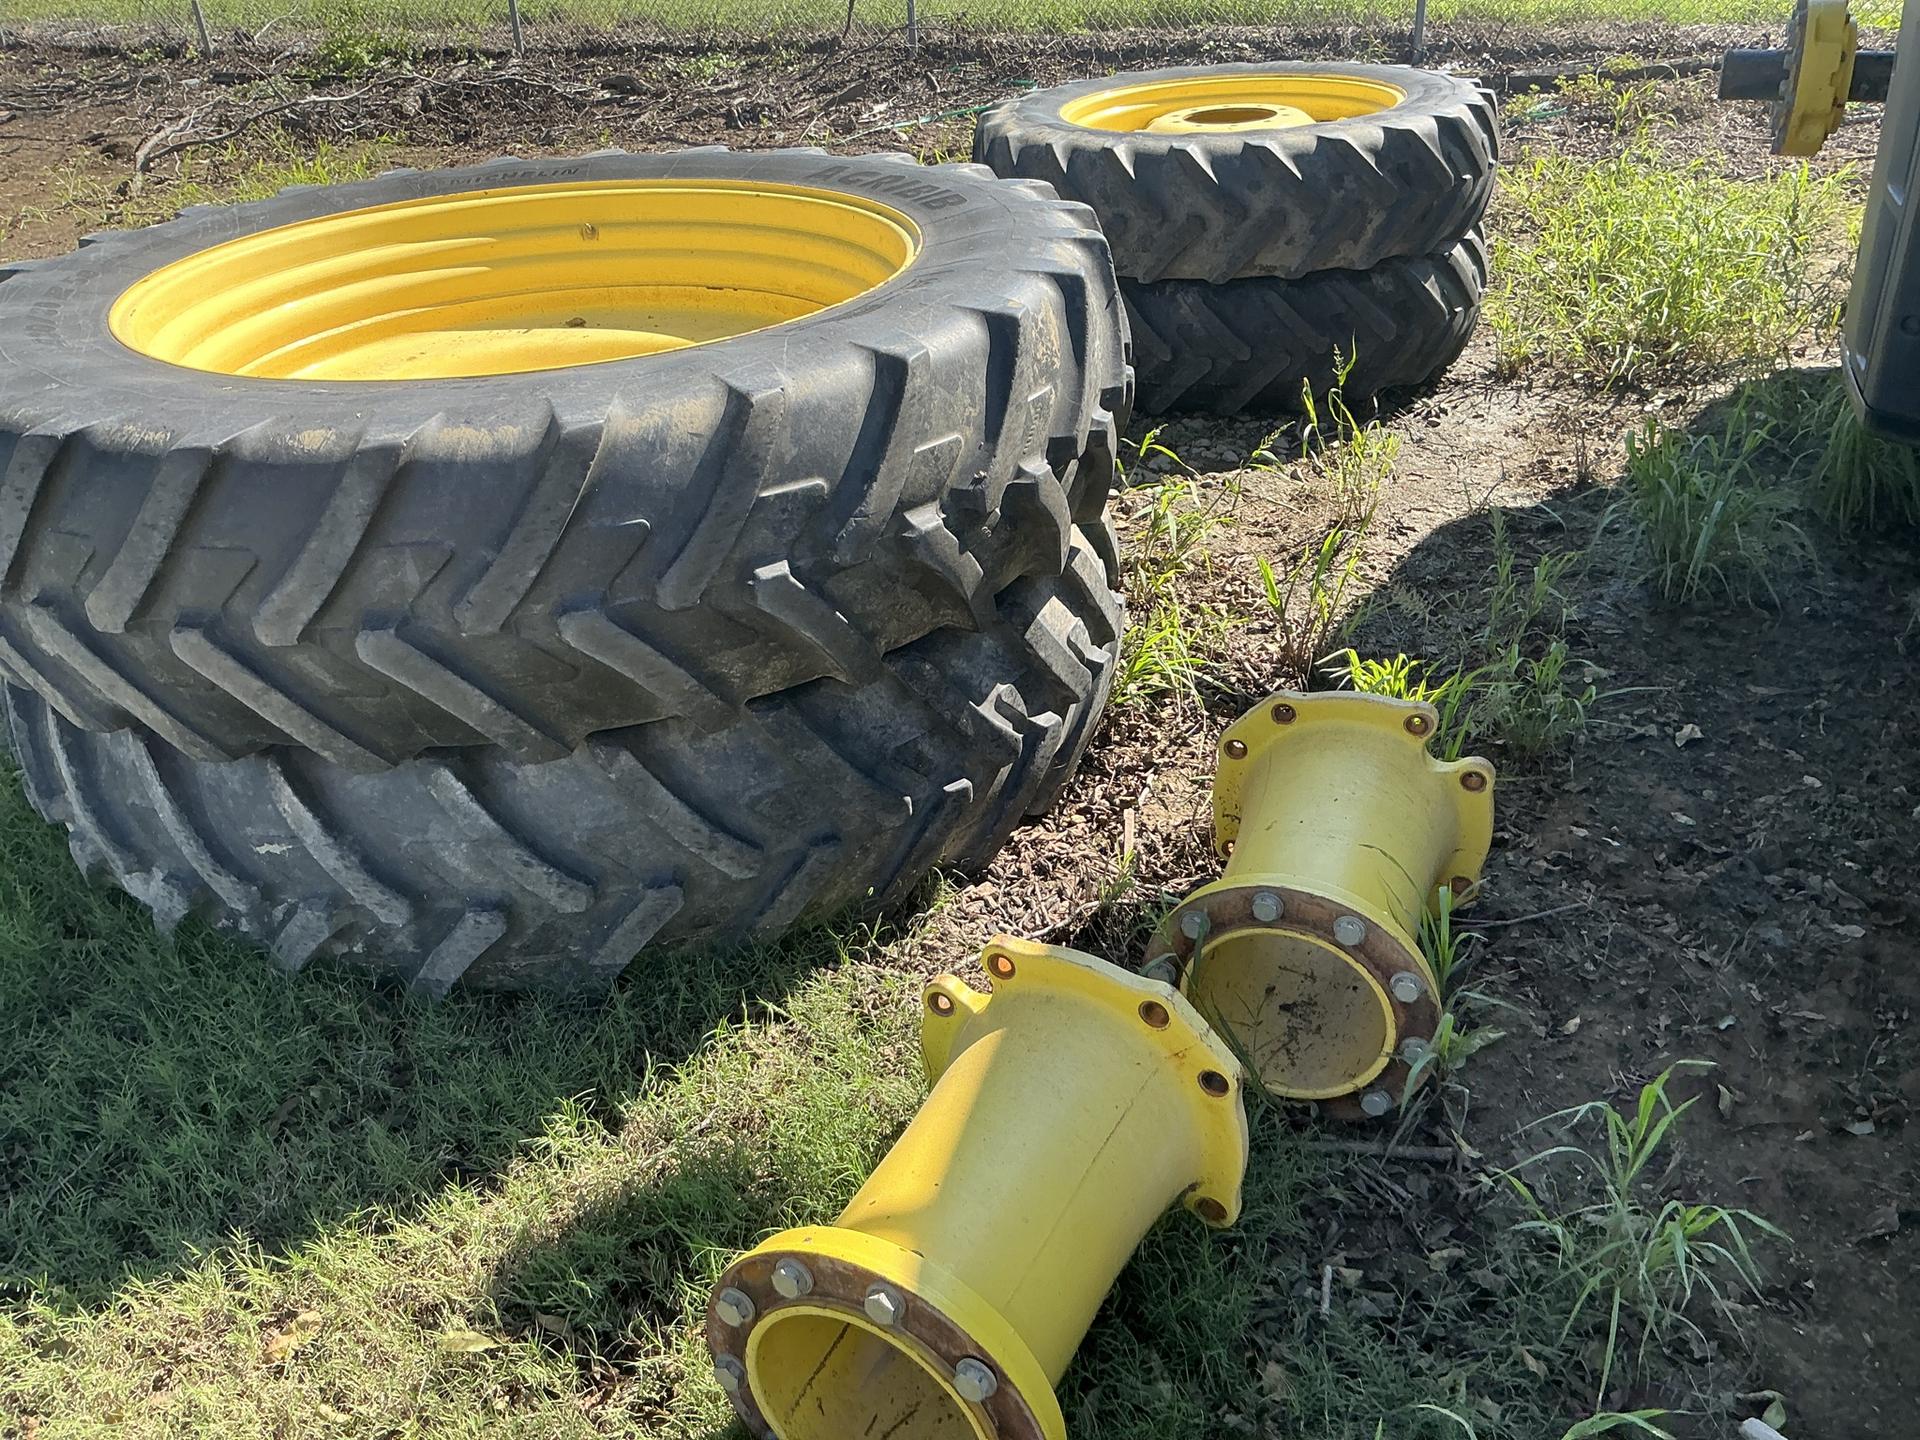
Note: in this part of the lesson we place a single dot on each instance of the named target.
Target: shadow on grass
(160, 1097)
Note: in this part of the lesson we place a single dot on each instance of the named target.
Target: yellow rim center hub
(1232, 102)
(501, 282)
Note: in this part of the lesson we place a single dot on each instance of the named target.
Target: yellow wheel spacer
(1822, 42)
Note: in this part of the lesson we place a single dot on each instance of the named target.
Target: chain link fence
(381, 28)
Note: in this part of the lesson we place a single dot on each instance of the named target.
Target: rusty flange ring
(1416, 1015)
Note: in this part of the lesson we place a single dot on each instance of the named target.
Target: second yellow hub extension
(1070, 1107)
(1305, 953)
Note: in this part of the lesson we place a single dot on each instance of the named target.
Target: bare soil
(1724, 870)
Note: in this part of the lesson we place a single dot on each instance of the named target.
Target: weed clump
(1635, 271)
(1711, 522)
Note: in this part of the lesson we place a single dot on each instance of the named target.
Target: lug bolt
(974, 1381)
(1413, 1050)
(884, 1306)
(730, 1373)
(1163, 968)
(1236, 749)
(735, 1307)
(1376, 1103)
(1267, 907)
(1194, 924)
(1349, 930)
(792, 1280)
(1407, 987)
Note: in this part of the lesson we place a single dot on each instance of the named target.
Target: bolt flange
(974, 1382)
(734, 1307)
(792, 1280)
(884, 1306)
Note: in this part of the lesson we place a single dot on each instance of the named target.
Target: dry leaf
(1686, 734)
(1571, 1026)
(1531, 1361)
(302, 1328)
(464, 1342)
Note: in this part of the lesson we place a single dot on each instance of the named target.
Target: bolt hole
(1284, 714)
(940, 1002)
(1215, 1084)
(1210, 1210)
(1001, 966)
(1236, 749)
(1473, 781)
(1155, 1014)
(1418, 725)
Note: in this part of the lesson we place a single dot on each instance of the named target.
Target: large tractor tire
(1231, 171)
(480, 870)
(1252, 345)
(509, 456)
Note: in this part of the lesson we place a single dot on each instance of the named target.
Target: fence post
(913, 25)
(1419, 31)
(200, 24)
(513, 18)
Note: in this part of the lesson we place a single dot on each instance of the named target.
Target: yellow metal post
(1305, 953)
(1070, 1107)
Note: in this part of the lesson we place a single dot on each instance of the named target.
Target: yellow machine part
(1234, 102)
(1823, 42)
(498, 282)
(1305, 953)
(1070, 1107)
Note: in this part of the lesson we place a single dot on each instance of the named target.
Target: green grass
(1644, 1260)
(1859, 481)
(1307, 599)
(1638, 270)
(1173, 643)
(1712, 520)
(466, 17)
(1504, 674)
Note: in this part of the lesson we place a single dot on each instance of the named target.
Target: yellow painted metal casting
(1201, 103)
(497, 282)
(1070, 1107)
(1305, 953)
(1824, 42)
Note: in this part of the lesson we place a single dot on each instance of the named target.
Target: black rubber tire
(374, 570)
(1250, 345)
(1339, 195)
(479, 870)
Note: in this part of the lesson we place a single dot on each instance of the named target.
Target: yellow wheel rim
(501, 282)
(1228, 103)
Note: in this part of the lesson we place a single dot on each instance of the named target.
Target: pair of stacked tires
(486, 574)
(1273, 225)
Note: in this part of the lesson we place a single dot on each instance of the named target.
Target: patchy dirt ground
(1723, 870)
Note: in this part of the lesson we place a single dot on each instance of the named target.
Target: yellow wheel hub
(1226, 103)
(500, 282)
